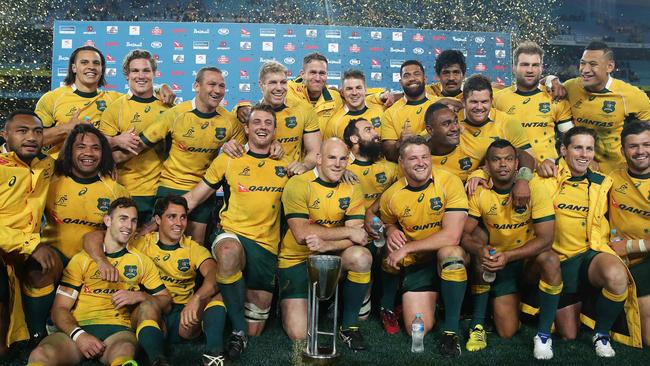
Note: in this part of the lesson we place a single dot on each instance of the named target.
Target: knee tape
(255, 314)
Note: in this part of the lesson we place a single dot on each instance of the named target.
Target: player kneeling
(96, 322)
(519, 250)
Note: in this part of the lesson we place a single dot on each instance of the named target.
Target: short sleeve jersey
(511, 227)
(538, 115)
(336, 125)
(629, 204)
(328, 204)
(196, 138)
(93, 306)
(178, 264)
(76, 206)
(253, 186)
(293, 122)
(405, 115)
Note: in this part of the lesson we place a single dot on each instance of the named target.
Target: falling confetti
(26, 28)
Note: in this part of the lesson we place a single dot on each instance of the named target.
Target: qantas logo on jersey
(197, 149)
(534, 124)
(510, 226)
(265, 189)
(288, 139)
(595, 123)
(426, 226)
(329, 222)
(68, 220)
(566, 206)
(634, 210)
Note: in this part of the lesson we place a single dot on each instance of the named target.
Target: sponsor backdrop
(239, 50)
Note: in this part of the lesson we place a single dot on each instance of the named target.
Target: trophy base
(324, 357)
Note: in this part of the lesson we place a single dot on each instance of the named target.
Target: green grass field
(274, 348)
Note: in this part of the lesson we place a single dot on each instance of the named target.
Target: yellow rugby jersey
(419, 211)
(405, 115)
(337, 124)
(178, 264)
(476, 139)
(629, 204)
(76, 206)
(374, 178)
(23, 191)
(293, 121)
(59, 105)
(323, 203)
(538, 115)
(326, 105)
(511, 227)
(93, 306)
(140, 174)
(605, 112)
(457, 162)
(196, 139)
(436, 89)
(253, 188)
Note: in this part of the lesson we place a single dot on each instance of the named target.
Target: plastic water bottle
(86, 119)
(614, 236)
(379, 229)
(417, 334)
(488, 276)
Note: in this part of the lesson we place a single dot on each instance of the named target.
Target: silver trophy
(324, 273)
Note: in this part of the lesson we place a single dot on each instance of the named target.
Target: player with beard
(444, 141)
(80, 100)
(424, 213)
(28, 173)
(353, 90)
(522, 238)
(533, 106)
(375, 175)
(592, 273)
(198, 129)
(603, 103)
(406, 116)
(450, 67)
(629, 213)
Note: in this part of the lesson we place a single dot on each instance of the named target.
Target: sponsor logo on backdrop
(201, 45)
(480, 40)
(90, 30)
(156, 44)
(133, 44)
(480, 53)
(375, 76)
(376, 35)
(223, 31)
(335, 61)
(179, 30)
(63, 58)
(355, 35)
(498, 41)
(200, 59)
(398, 36)
(376, 49)
(110, 59)
(417, 37)
(354, 48)
(223, 59)
(243, 74)
(67, 29)
(355, 62)
(267, 32)
(397, 50)
(459, 39)
(245, 87)
(178, 46)
(267, 46)
(201, 31)
(418, 50)
(156, 31)
(223, 46)
(333, 33)
(396, 77)
(89, 42)
(311, 33)
(178, 59)
(311, 47)
(500, 53)
(289, 60)
(111, 71)
(375, 64)
(245, 59)
(289, 47)
(61, 71)
(245, 45)
(500, 81)
(333, 47)
(112, 29)
(499, 68)
(289, 33)
(244, 33)
(111, 44)
(480, 67)
(333, 75)
(396, 63)
(439, 38)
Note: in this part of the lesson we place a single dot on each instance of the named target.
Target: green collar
(117, 254)
(420, 188)
(204, 115)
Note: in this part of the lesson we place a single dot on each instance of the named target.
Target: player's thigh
(122, 344)
(506, 314)
(607, 270)
(294, 317)
(56, 349)
(423, 302)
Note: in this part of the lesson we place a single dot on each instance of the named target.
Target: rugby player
(600, 102)
(246, 247)
(424, 213)
(128, 116)
(325, 215)
(522, 238)
(28, 173)
(533, 106)
(96, 317)
(629, 213)
(581, 237)
(451, 68)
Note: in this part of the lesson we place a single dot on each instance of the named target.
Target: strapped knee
(255, 314)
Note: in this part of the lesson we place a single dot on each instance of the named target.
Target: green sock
(480, 297)
(452, 286)
(549, 298)
(234, 295)
(151, 339)
(607, 310)
(36, 310)
(353, 293)
(389, 286)
(214, 322)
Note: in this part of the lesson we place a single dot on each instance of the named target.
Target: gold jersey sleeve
(141, 173)
(538, 115)
(606, 112)
(58, 106)
(177, 264)
(419, 210)
(306, 196)
(76, 206)
(253, 187)
(324, 107)
(405, 115)
(196, 138)
(23, 193)
(293, 121)
(374, 178)
(629, 204)
(337, 124)
(93, 306)
(476, 139)
(511, 227)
